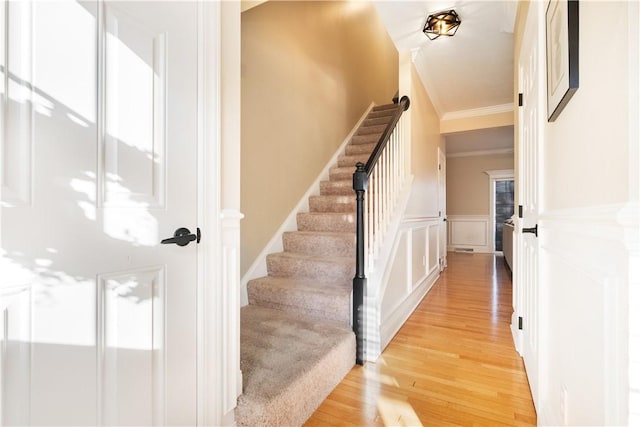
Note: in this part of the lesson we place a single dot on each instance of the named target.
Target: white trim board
(478, 112)
(259, 266)
(481, 153)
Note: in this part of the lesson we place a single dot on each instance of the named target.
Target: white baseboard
(259, 267)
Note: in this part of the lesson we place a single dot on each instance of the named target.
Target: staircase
(296, 339)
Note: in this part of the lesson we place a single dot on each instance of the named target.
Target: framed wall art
(562, 22)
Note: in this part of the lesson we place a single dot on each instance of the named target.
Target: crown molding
(478, 112)
(481, 153)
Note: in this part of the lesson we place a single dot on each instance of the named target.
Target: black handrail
(360, 179)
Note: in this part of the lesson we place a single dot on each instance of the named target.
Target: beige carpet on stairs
(296, 340)
(289, 365)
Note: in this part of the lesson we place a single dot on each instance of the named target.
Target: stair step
(303, 297)
(384, 120)
(367, 130)
(353, 149)
(320, 243)
(344, 173)
(352, 160)
(327, 221)
(336, 270)
(289, 365)
(337, 188)
(333, 203)
(385, 107)
(380, 113)
(364, 139)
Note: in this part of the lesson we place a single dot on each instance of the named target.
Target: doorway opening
(501, 204)
(503, 208)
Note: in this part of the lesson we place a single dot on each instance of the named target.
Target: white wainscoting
(469, 232)
(588, 322)
(411, 270)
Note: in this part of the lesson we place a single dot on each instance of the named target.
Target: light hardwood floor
(452, 363)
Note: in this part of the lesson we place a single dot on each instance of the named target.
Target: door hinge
(520, 209)
(520, 101)
(439, 167)
(439, 213)
(520, 322)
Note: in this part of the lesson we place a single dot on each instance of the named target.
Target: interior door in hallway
(97, 318)
(526, 286)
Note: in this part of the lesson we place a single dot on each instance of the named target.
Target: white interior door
(99, 140)
(442, 207)
(526, 287)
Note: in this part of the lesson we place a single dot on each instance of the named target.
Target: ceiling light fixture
(444, 23)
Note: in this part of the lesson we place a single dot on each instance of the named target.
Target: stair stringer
(259, 267)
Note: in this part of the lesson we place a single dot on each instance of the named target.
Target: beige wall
(468, 184)
(594, 125)
(425, 136)
(309, 71)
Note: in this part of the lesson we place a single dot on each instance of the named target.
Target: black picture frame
(562, 54)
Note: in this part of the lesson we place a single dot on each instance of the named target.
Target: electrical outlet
(563, 405)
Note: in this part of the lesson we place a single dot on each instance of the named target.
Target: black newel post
(359, 281)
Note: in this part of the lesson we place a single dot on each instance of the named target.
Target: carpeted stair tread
(368, 130)
(352, 160)
(327, 221)
(385, 107)
(376, 114)
(304, 297)
(343, 187)
(364, 139)
(320, 243)
(354, 149)
(333, 269)
(384, 120)
(289, 365)
(333, 203)
(341, 173)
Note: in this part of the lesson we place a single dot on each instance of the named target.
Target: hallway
(452, 363)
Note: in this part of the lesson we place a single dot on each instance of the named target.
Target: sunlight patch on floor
(396, 412)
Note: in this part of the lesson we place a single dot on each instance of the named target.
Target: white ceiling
(471, 70)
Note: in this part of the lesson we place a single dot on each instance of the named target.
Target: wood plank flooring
(452, 363)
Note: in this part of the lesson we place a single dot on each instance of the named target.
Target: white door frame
(219, 376)
(442, 209)
(494, 176)
(527, 293)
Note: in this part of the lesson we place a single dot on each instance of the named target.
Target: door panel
(526, 292)
(112, 313)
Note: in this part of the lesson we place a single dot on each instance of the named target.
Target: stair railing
(384, 173)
